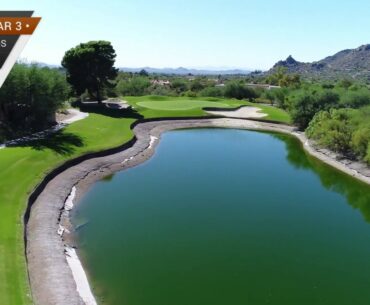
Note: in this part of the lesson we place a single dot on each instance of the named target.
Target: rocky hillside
(351, 63)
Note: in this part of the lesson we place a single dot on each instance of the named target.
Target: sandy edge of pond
(52, 280)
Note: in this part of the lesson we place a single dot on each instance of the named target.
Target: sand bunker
(244, 113)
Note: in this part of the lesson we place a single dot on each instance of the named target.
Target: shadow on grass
(103, 110)
(61, 142)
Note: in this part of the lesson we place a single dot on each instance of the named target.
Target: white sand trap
(244, 113)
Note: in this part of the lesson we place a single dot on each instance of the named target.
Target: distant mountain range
(352, 63)
(174, 71)
(185, 71)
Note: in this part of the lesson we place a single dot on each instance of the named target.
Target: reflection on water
(356, 192)
(108, 178)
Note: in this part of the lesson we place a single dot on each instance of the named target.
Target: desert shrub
(162, 91)
(189, 93)
(343, 130)
(305, 106)
(212, 92)
(356, 99)
(239, 91)
(135, 86)
(179, 85)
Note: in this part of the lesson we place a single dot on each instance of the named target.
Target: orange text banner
(18, 25)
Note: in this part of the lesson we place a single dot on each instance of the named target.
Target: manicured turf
(179, 105)
(22, 168)
(165, 106)
(273, 113)
(168, 106)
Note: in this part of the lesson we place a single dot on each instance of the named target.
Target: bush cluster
(29, 98)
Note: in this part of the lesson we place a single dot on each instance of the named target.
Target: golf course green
(180, 105)
(165, 106)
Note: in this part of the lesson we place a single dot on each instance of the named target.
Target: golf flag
(16, 27)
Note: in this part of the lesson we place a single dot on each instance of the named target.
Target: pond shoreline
(47, 229)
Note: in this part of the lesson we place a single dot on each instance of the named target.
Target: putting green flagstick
(16, 28)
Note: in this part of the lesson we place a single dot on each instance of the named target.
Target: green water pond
(227, 217)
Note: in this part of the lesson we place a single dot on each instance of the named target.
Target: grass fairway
(165, 106)
(21, 169)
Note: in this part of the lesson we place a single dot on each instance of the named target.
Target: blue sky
(198, 33)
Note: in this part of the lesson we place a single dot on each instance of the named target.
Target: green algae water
(227, 217)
